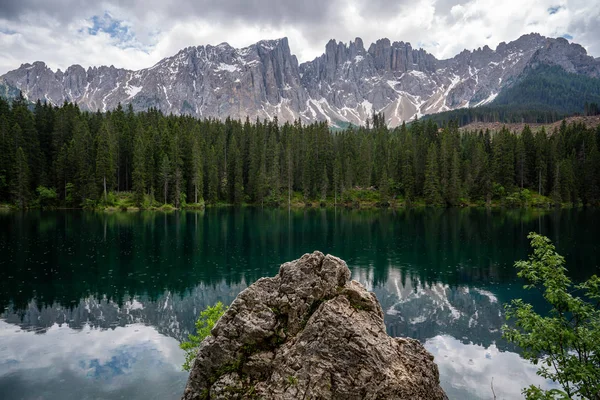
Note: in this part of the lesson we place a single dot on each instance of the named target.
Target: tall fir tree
(105, 160)
(22, 178)
(139, 167)
(431, 189)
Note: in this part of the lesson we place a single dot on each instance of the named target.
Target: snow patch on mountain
(346, 84)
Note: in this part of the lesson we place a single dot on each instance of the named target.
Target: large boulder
(310, 333)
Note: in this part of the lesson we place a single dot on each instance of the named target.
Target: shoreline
(495, 205)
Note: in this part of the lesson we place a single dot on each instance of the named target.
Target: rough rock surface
(344, 85)
(310, 333)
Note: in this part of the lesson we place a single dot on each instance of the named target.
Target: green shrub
(89, 204)
(111, 199)
(46, 196)
(207, 320)
(167, 207)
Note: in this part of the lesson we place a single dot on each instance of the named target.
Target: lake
(94, 305)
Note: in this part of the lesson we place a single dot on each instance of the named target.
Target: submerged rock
(309, 333)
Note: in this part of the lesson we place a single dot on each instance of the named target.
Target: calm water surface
(94, 305)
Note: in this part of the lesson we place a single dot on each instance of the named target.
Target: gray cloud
(254, 11)
(62, 10)
(57, 31)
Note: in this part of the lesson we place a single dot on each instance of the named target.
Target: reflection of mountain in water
(421, 311)
(172, 315)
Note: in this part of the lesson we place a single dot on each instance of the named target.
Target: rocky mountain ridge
(344, 85)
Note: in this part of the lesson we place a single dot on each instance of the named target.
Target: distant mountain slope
(7, 91)
(344, 85)
(552, 88)
(543, 94)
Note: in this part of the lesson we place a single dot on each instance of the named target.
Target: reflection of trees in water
(63, 257)
(171, 314)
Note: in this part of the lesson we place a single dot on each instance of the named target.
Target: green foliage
(207, 320)
(46, 196)
(84, 157)
(520, 199)
(22, 179)
(432, 178)
(551, 88)
(566, 342)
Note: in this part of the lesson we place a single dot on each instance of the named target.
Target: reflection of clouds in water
(466, 370)
(119, 361)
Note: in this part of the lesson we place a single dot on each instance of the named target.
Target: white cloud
(60, 36)
(467, 370)
(90, 363)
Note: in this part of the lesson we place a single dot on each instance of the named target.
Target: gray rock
(345, 84)
(309, 332)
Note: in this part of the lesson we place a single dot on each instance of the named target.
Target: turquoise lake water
(94, 305)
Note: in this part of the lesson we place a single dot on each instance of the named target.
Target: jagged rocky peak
(400, 56)
(310, 332)
(572, 57)
(346, 84)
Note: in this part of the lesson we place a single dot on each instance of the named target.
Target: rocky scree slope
(344, 85)
(309, 332)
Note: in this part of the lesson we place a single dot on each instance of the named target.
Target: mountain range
(345, 85)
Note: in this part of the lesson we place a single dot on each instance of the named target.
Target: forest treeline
(61, 156)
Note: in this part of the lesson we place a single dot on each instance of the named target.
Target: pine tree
(81, 155)
(384, 187)
(238, 179)
(139, 167)
(408, 175)
(431, 188)
(337, 178)
(165, 176)
(7, 155)
(521, 162)
(454, 186)
(324, 184)
(212, 176)
(556, 191)
(540, 160)
(22, 178)
(62, 167)
(176, 163)
(105, 160)
(197, 170)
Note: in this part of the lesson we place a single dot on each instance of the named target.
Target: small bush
(47, 197)
(207, 320)
(167, 207)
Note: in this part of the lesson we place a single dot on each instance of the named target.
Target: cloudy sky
(136, 34)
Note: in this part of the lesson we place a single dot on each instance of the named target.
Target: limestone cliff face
(344, 85)
(309, 332)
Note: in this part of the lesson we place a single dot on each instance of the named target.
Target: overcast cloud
(136, 34)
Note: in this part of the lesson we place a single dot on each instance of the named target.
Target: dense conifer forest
(63, 157)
